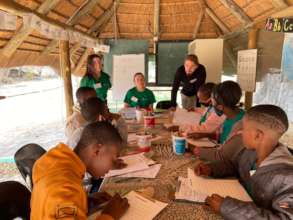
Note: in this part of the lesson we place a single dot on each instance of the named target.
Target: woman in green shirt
(96, 78)
(139, 96)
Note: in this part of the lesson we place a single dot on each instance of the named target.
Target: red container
(149, 121)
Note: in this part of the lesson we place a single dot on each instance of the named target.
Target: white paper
(128, 113)
(203, 142)
(186, 192)
(183, 117)
(134, 163)
(141, 208)
(246, 69)
(223, 187)
(151, 172)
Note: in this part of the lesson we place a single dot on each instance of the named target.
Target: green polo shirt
(101, 86)
(228, 125)
(135, 98)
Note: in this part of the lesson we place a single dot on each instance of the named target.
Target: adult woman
(139, 96)
(96, 78)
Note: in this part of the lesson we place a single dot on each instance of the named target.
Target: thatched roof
(132, 19)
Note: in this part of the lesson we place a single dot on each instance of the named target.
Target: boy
(209, 121)
(76, 120)
(225, 99)
(93, 110)
(265, 169)
(58, 174)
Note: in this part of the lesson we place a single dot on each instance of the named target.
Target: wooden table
(164, 185)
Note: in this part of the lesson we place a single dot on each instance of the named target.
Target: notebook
(195, 188)
(134, 163)
(223, 187)
(142, 208)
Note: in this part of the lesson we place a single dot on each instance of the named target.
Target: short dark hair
(92, 108)
(227, 93)
(270, 116)
(81, 91)
(98, 133)
(193, 58)
(138, 74)
(207, 89)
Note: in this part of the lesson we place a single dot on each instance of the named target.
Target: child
(139, 96)
(76, 120)
(209, 121)
(57, 176)
(225, 98)
(92, 110)
(265, 169)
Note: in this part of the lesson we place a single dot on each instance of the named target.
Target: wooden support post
(252, 41)
(156, 23)
(66, 75)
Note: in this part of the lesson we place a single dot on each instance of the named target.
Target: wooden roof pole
(198, 22)
(19, 10)
(218, 22)
(156, 23)
(236, 11)
(97, 26)
(252, 44)
(82, 59)
(66, 75)
(23, 33)
(82, 11)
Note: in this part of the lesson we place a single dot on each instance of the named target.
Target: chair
(25, 159)
(14, 200)
(166, 104)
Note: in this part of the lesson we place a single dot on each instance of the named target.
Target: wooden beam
(236, 11)
(103, 19)
(82, 11)
(66, 75)
(98, 25)
(81, 60)
(156, 18)
(19, 10)
(287, 12)
(115, 22)
(279, 4)
(252, 44)
(218, 22)
(156, 34)
(23, 33)
(47, 6)
(198, 22)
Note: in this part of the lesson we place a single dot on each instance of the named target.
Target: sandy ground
(36, 116)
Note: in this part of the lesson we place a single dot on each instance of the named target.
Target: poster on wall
(124, 67)
(279, 24)
(246, 69)
(287, 56)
